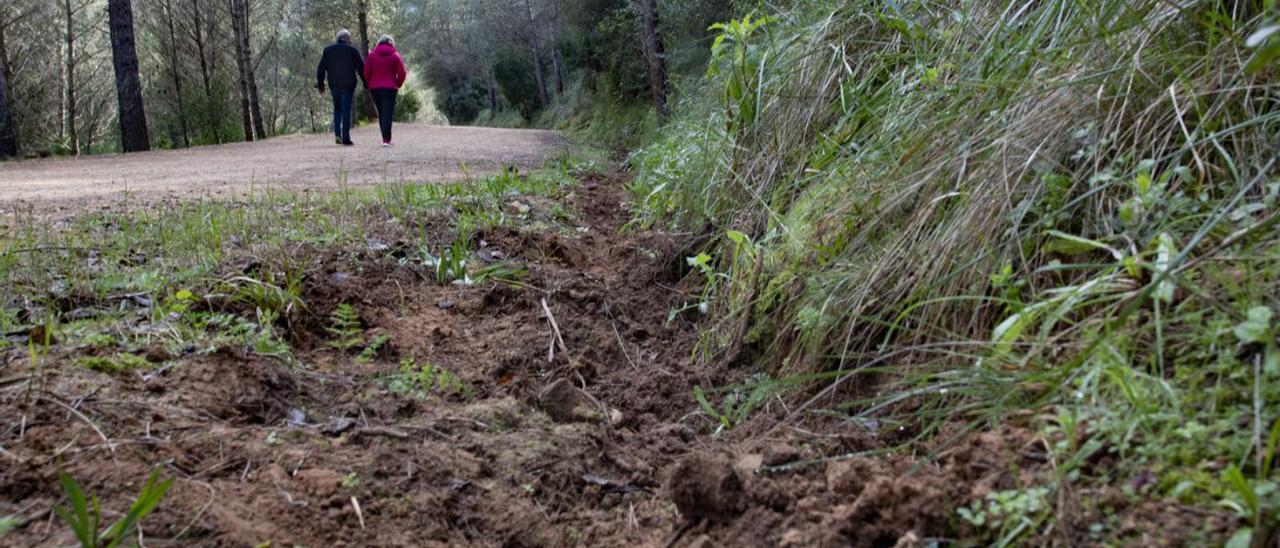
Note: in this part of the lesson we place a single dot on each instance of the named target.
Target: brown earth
(594, 441)
(421, 153)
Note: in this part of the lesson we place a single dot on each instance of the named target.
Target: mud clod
(565, 403)
(707, 487)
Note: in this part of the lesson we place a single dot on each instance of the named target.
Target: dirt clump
(707, 488)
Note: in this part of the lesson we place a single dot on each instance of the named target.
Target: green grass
(210, 275)
(981, 209)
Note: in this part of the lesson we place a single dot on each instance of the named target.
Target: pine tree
(133, 117)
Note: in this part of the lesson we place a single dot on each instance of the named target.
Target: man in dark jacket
(343, 64)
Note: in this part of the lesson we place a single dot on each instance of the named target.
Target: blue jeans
(342, 114)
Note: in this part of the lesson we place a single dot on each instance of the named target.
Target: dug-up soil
(591, 438)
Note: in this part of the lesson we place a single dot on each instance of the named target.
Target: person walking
(385, 74)
(343, 64)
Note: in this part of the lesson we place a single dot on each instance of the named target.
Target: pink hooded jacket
(385, 68)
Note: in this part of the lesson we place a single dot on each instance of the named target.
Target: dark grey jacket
(343, 64)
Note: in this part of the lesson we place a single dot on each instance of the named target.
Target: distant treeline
(491, 55)
(216, 71)
(210, 71)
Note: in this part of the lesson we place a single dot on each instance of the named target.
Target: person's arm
(360, 66)
(322, 69)
(367, 73)
(402, 73)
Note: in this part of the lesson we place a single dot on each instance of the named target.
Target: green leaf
(1068, 244)
(1242, 539)
(1256, 329)
(1008, 332)
(1235, 478)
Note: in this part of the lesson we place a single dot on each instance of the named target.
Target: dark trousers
(342, 114)
(385, 101)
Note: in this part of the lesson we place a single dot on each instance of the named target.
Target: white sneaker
(386, 145)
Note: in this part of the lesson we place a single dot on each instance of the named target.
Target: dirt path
(422, 153)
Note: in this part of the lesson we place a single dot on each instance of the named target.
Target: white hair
(344, 35)
(387, 39)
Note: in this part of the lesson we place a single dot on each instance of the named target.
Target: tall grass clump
(970, 208)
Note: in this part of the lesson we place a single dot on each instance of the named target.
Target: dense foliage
(974, 211)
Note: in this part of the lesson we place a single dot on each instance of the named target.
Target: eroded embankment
(552, 411)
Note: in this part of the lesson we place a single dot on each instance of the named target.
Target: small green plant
(346, 328)
(503, 271)
(85, 515)
(371, 350)
(1257, 499)
(739, 401)
(351, 481)
(1007, 514)
(122, 361)
(422, 380)
(451, 265)
(737, 56)
(9, 523)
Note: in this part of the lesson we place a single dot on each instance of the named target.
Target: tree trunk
(241, 17)
(198, 37)
(364, 109)
(557, 59)
(242, 66)
(8, 134)
(176, 74)
(656, 54)
(69, 82)
(124, 55)
(492, 84)
(536, 45)
(557, 64)
(8, 139)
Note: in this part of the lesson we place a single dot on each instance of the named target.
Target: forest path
(421, 153)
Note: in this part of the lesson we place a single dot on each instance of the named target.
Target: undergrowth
(1057, 215)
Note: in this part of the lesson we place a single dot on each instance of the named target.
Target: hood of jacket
(385, 50)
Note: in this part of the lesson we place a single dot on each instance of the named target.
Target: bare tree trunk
(8, 135)
(240, 18)
(656, 54)
(4, 51)
(69, 81)
(124, 55)
(242, 66)
(176, 74)
(8, 140)
(492, 84)
(557, 60)
(365, 108)
(557, 64)
(536, 45)
(199, 39)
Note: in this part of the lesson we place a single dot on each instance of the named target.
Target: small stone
(339, 278)
(295, 418)
(337, 426)
(446, 304)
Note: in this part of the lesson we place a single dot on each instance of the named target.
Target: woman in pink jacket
(384, 73)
